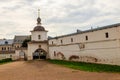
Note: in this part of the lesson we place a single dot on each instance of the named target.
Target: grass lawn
(92, 67)
(3, 61)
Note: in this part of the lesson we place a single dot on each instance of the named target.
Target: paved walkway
(42, 70)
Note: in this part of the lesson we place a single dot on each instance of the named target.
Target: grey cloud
(13, 7)
(56, 15)
(76, 17)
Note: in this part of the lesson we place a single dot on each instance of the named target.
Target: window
(2, 48)
(54, 53)
(106, 34)
(71, 39)
(86, 37)
(6, 42)
(39, 46)
(5, 48)
(52, 42)
(39, 37)
(10, 56)
(61, 41)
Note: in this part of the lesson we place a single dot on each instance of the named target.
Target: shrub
(5, 60)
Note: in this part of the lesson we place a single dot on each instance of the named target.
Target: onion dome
(38, 20)
(39, 28)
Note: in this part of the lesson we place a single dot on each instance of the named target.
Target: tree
(24, 44)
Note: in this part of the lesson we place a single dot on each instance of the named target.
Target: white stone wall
(17, 53)
(97, 49)
(35, 34)
(92, 36)
(4, 56)
(34, 46)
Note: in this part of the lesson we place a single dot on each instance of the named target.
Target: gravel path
(42, 70)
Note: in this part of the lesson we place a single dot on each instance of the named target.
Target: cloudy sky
(59, 17)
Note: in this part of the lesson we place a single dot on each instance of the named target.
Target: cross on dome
(39, 27)
(38, 12)
(38, 19)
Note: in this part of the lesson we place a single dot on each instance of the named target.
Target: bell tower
(39, 33)
(39, 42)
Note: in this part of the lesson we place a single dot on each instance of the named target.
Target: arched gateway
(39, 54)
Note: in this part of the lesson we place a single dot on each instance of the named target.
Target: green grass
(92, 67)
(3, 61)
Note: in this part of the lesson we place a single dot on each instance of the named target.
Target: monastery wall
(4, 56)
(20, 53)
(101, 46)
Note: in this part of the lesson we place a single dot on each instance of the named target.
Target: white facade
(21, 53)
(38, 40)
(96, 46)
(39, 35)
(4, 56)
(33, 46)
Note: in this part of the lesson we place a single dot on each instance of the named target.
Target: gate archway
(21, 55)
(39, 54)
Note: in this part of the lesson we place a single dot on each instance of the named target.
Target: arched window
(71, 39)
(54, 53)
(2, 48)
(5, 48)
(107, 35)
(39, 36)
(52, 42)
(39, 46)
(86, 37)
(61, 41)
(8, 48)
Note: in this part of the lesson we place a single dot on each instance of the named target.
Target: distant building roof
(20, 39)
(90, 30)
(6, 41)
(49, 37)
(78, 31)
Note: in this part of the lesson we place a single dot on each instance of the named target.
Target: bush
(24, 44)
(5, 60)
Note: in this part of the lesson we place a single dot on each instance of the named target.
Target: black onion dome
(38, 20)
(39, 28)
